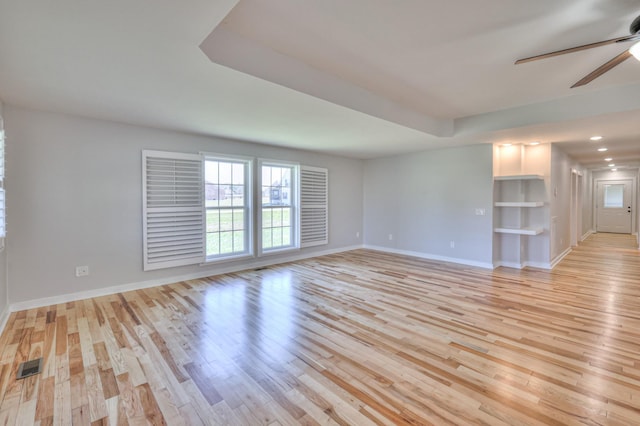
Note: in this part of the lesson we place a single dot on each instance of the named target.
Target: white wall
(560, 203)
(4, 290)
(75, 199)
(587, 203)
(426, 200)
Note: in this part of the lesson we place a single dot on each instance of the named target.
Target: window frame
(295, 206)
(248, 163)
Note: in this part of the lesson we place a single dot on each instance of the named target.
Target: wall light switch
(480, 212)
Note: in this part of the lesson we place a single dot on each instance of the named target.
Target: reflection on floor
(356, 338)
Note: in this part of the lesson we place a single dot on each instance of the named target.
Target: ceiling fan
(633, 51)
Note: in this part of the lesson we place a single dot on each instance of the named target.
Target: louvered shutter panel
(3, 217)
(314, 206)
(173, 209)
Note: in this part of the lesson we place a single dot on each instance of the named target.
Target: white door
(614, 206)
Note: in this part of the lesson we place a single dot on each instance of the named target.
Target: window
(278, 212)
(614, 196)
(228, 207)
(199, 207)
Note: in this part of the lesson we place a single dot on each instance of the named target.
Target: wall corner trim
(4, 317)
(559, 258)
(587, 234)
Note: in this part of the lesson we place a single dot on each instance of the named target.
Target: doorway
(614, 204)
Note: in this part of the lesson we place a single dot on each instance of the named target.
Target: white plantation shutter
(1, 152)
(2, 214)
(173, 209)
(314, 206)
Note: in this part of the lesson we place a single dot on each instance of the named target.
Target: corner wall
(4, 285)
(562, 167)
(419, 203)
(76, 199)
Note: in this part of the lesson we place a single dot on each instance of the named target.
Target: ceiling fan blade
(603, 68)
(579, 48)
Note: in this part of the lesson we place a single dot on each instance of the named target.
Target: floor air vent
(29, 368)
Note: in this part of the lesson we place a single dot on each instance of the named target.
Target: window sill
(213, 260)
(271, 252)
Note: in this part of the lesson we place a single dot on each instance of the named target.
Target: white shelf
(519, 203)
(520, 177)
(520, 231)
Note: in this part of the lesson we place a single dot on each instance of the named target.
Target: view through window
(277, 206)
(227, 202)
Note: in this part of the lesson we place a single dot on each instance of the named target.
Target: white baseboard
(70, 297)
(559, 258)
(514, 265)
(587, 234)
(537, 265)
(431, 256)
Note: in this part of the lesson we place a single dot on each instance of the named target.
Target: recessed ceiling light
(614, 170)
(596, 138)
(506, 144)
(611, 165)
(608, 159)
(602, 149)
(534, 143)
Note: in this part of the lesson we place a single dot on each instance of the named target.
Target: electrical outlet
(390, 237)
(452, 244)
(480, 212)
(82, 271)
(357, 234)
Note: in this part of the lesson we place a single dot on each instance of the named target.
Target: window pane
(238, 241)
(266, 218)
(286, 236)
(224, 173)
(226, 220)
(213, 220)
(238, 174)
(225, 188)
(238, 219)
(614, 196)
(277, 237)
(267, 241)
(277, 217)
(237, 195)
(226, 242)
(266, 176)
(277, 201)
(213, 243)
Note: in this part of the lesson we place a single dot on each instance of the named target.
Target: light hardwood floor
(358, 338)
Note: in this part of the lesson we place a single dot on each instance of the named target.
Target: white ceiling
(363, 78)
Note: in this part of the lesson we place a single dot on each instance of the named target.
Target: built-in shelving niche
(521, 211)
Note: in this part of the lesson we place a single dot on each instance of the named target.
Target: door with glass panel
(614, 206)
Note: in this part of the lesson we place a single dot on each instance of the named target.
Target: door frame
(576, 207)
(634, 200)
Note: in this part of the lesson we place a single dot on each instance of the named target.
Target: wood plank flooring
(358, 338)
